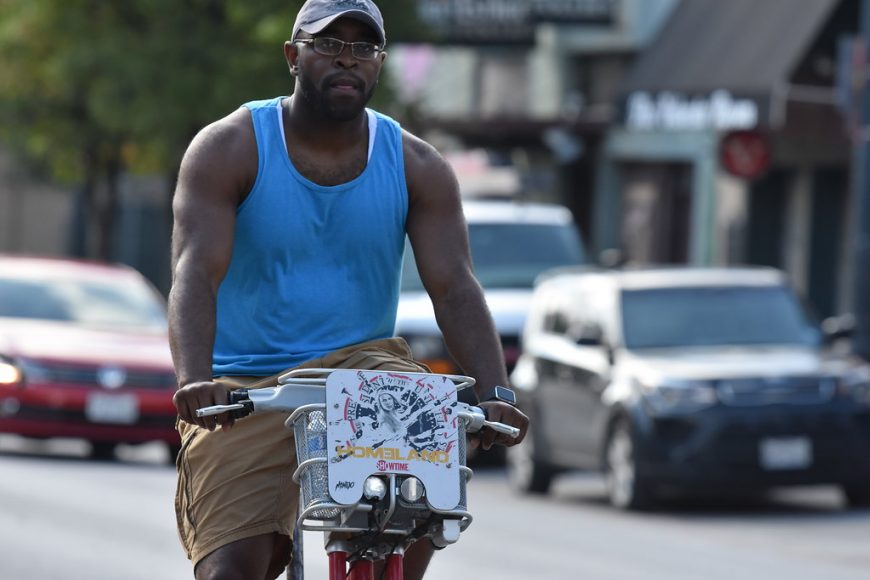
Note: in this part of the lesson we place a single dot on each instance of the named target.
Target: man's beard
(347, 110)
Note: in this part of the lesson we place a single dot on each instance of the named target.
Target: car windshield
(101, 302)
(510, 255)
(745, 315)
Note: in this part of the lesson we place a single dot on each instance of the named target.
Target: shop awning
(738, 50)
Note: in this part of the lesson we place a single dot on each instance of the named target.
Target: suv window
(508, 255)
(556, 320)
(590, 314)
(668, 317)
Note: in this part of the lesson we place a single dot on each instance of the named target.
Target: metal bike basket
(309, 427)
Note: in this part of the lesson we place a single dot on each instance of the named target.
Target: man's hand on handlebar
(193, 396)
(502, 413)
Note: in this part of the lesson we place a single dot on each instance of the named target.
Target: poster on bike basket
(392, 422)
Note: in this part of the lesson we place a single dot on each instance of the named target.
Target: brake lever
(476, 420)
(239, 405)
(218, 409)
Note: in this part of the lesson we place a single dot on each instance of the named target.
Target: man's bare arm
(439, 236)
(216, 173)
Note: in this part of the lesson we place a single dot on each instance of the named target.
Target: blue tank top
(314, 268)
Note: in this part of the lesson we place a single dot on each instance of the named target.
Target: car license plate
(119, 409)
(786, 453)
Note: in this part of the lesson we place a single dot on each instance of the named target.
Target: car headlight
(856, 384)
(861, 393)
(678, 396)
(431, 351)
(10, 373)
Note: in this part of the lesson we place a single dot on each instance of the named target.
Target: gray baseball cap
(315, 15)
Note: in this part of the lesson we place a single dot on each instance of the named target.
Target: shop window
(504, 83)
(597, 79)
(656, 199)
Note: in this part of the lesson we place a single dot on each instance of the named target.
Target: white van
(511, 243)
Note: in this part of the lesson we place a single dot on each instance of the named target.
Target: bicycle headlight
(411, 489)
(678, 395)
(374, 488)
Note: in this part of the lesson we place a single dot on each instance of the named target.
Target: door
(575, 370)
(656, 212)
(830, 198)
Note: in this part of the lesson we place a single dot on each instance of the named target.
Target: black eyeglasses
(334, 47)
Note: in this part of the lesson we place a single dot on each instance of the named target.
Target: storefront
(731, 148)
(533, 83)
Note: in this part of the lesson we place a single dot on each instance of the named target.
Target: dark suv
(686, 379)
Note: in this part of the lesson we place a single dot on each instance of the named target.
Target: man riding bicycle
(290, 220)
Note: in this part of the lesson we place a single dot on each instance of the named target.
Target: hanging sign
(506, 21)
(745, 154)
(669, 111)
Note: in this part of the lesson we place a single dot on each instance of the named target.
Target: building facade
(678, 131)
(731, 146)
(535, 84)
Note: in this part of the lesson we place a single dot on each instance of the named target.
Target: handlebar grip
(477, 418)
(513, 432)
(238, 406)
(240, 397)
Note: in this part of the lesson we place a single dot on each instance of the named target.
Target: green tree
(92, 88)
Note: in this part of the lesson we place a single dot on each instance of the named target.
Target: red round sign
(745, 154)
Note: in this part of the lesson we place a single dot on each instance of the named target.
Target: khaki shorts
(237, 484)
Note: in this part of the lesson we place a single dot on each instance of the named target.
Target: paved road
(63, 516)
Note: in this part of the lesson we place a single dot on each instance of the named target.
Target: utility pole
(861, 191)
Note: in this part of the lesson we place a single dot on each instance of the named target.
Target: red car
(84, 353)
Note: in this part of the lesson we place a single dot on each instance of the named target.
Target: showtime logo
(391, 466)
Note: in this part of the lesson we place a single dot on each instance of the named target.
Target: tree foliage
(91, 88)
(135, 78)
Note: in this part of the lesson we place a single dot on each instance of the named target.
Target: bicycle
(381, 460)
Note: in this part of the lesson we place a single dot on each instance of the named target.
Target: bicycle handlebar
(476, 420)
(298, 392)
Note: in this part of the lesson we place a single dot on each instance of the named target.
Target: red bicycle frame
(363, 569)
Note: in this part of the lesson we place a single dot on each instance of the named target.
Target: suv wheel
(625, 488)
(857, 495)
(526, 472)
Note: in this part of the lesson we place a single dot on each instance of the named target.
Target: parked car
(511, 243)
(686, 379)
(84, 354)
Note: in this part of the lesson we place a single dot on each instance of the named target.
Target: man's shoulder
(419, 152)
(227, 147)
(428, 175)
(228, 133)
